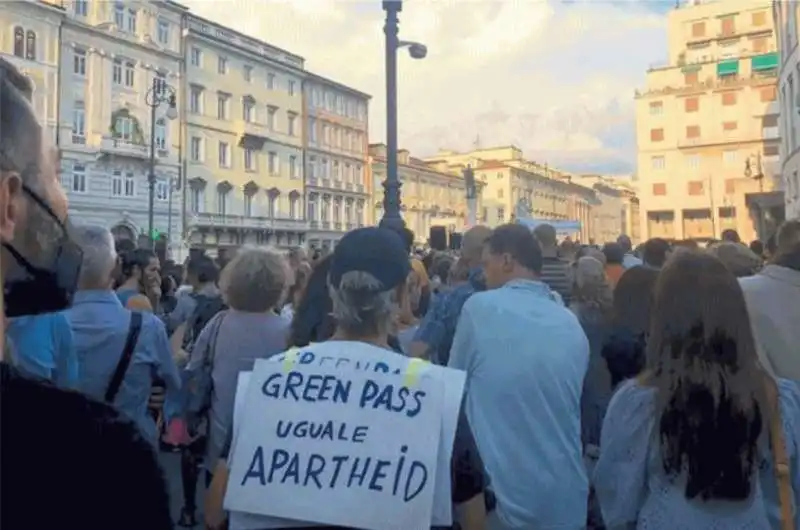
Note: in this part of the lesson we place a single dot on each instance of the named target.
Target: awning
(728, 67)
(768, 61)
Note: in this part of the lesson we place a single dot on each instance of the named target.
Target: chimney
(402, 156)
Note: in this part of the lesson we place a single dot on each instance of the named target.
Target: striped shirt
(556, 273)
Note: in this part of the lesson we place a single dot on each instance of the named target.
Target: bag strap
(125, 360)
(780, 461)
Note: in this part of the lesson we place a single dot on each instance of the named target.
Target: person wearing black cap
(368, 271)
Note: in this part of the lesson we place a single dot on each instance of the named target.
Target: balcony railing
(241, 221)
(710, 84)
(125, 148)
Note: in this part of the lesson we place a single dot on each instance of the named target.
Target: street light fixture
(391, 186)
(158, 94)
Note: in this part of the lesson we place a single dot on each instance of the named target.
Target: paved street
(171, 463)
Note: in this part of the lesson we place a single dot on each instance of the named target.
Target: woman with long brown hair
(687, 444)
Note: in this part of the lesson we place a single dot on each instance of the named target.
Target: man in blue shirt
(629, 260)
(100, 327)
(43, 347)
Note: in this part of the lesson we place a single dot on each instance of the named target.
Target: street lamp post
(159, 93)
(391, 186)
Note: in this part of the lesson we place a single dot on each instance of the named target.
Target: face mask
(48, 286)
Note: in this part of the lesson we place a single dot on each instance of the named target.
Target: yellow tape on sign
(412, 372)
(290, 359)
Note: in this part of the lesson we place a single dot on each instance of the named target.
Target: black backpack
(207, 307)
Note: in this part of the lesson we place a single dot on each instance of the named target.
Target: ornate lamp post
(391, 186)
(158, 94)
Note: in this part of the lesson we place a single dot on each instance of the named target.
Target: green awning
(729, 67)
(768, 61)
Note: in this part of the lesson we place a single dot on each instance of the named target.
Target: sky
(555, 78)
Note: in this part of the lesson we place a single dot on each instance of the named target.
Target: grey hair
(591, 288)
(361, 306)
(99, 256)
(255, 279)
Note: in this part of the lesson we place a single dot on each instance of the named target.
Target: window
(30, 45)
(699, 29)
(119, 16)
(78, 123)
(729, 126)
(294, 169)
(759, 45)
(326, 134)
(224, 154)
(312, 167)
(656, 135)
(196, 55)
(729, 157)
(160, 134)
(692, 131)
(771, 150)
(131, 20)
(357, 176)
(292, 117)
(130, 74)
(163, 32)
(312, 207)
(271, 121)
(325, 208)
(348, 172)
(79, 62)
(196, 149)
(730, 186)
(274, 164)
(324, 169)
(312, 130)
(272, 206)
(695, 187)
(19, 42)
(160, 84)
(501, 214)
(271, 81)
(337, 211)
(693, 161)
(116, 72)
(123, 129)
(690, 78)
(249, 110)
(78, 178)
(347, 140)
(759, 18)
(196, 99)
(222, 201)
(291, 88)
(222, 65)
(248, 204)
(80, 7)
(116, 184)
(728, 25)
(769, 93)
(348, 211)
(248, 73)
(249, 160)
(162, 189)
(198, 204)
(728, 99)
(691, 104)
(222, 106)
(336, 175)
(293, 203)
(130, 184)
(657, 163)
(659, 188)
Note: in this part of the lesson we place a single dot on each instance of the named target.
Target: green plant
(137, 136)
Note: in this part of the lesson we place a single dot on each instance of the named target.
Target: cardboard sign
(320, 444)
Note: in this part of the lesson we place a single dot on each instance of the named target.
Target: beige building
(615, 210)
(337, 181)
(244, 129)
(430, 196)
(509, 180)
(707, 124)
(786, 17)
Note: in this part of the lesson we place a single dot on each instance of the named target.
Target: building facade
(707, 124)
(244, 133)
(113, 54)
(430, 197)
(337, 186)
(786, 18)
(30, 41)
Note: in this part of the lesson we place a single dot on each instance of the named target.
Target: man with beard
(67, 461)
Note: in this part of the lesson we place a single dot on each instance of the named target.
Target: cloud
(554, 78)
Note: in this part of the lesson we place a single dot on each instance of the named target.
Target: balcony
(121, 148)
(711, 83)
(349, 186)
(211, 220)
(252, 134)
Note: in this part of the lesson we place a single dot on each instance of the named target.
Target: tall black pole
(391, 186)
(151, 177)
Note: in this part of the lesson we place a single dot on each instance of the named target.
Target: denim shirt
(439, 325)
(526, 357)
(100, 327)
(44, 348)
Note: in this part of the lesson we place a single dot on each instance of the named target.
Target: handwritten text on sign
(319, 445)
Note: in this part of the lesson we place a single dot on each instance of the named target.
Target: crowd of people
(606, 387)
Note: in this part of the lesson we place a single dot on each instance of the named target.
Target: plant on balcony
(137, 136)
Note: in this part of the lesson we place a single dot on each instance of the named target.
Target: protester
(301, 274)
(688, 443)
(629, 259)
(555, 269)
(96, 470)
(773, 302)
(435, 334)
(739, 259)
(655, 253)
(366, 268)
(757, 247)
(525, 356)
(615, 255)
(141, 282)
(312, 321)
(731, 235)
(45, 347)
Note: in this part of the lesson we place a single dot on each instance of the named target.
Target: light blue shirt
(100, 327)
(630, 261)
(526, 356)
(43, 347)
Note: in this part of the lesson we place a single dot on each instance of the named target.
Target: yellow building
(430, 197)
(509, 179)
(244, 139)
(707, 123)
(787, 15)
(30, 41)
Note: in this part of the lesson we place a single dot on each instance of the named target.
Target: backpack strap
(780, 460)
(125, 360)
